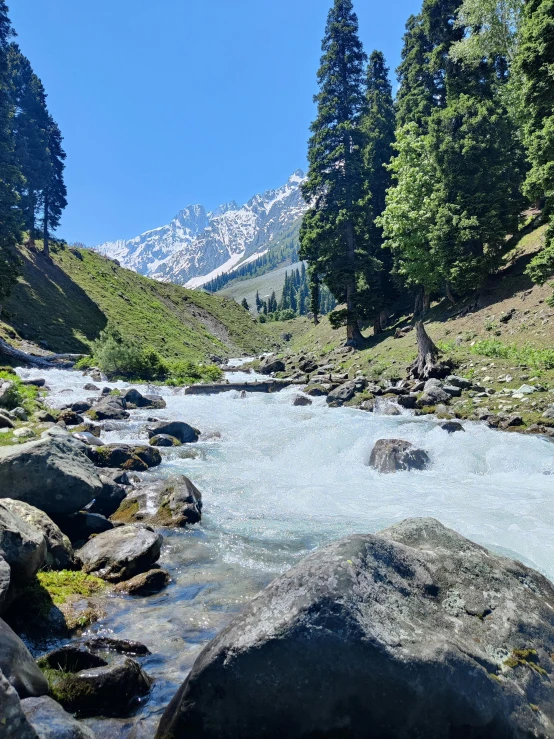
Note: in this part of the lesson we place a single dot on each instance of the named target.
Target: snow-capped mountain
(198, 245)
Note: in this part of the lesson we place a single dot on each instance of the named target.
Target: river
(278, 481)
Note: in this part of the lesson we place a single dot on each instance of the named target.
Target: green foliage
(493, 26)
(20, 395)
(528, 355)
(62, 584)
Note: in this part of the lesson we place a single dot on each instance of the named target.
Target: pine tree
(244, 304)
(259, 303)
(32, 127)
(10, 175)
(54, 196)
(415, 98)
(332, 230)
(535, 63)
(376, 290)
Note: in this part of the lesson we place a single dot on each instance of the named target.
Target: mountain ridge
(198, 245)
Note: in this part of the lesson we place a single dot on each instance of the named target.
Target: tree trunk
(53, 360)
(418, 304)
(427, 364)
(46, 248)
(426, 302)
(449, 294)
(377, 325)
(353, 333)
(31, 220)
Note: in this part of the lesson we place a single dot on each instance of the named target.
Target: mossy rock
(127, 511)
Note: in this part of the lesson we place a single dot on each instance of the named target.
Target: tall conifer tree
(10, 175)
(54, 196)
(332, 230)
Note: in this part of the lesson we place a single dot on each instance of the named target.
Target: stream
(277, 482)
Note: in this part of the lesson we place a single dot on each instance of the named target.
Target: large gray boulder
(121, 553)
(22, 546)
(51, 473)
(132, 395)
(110, 408)
(342, 393)
(137, 457)
(18, 666)
(179, 501)
(59, 552)
(13, 722)
(395, 455)
(50, 720)
(5, 582)
(415, 632)
(270, 365)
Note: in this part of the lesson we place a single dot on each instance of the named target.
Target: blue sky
(172, 102)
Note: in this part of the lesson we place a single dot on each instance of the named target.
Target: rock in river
(413, 632)
(18, 666)
(126, 456)
(13, 723)
(50, 721)
(393, 455)
(51, 473)
(179, 429)
(22, 546)
(121, 553)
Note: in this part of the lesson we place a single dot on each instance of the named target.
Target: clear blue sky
(172, 102)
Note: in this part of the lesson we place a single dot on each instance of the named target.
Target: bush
(20, 395)
(537, 358)
(119, 357)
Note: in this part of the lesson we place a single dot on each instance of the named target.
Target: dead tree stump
(428, 363)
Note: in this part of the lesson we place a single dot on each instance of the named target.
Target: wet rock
(452, 427)
(126, 456)
(387, 409)
(22, 546)
(87, 438)
(59, 552)
(393, 455)
(511, 422)
(71, 658)
(308, 366)
(110, 408)
(91, 387)
(407, 401)
(38, 382)
(270, 365)
(50, 721)
(433, 395)
(111, 690)
(155, 401)
(301, 400)
(13, 723)
(181, 430)
(164, 440)
(367, 405)
(51, 473)
(123, 646)
(413, 632)
(70, 418)
(80, 526)
(316, 391)
(179, 500)
(343, 393)
(147, 583)
(121, 553)
(110, 498)
(18, 666)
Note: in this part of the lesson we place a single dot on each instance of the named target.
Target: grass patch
(528, 355)
(65, 583)
(20, 395)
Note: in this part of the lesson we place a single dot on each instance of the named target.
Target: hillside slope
(67, 300)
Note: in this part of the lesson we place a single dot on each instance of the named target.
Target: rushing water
(279, 480)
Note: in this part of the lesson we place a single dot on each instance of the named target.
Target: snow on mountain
(198, 245)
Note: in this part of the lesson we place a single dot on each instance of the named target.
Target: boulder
(80, 526)
(20, 414)
(45, 417)
(181, 430)
(132, 395)
(22, 546)
(179, 500)
(147, 583)
(7, 394)
(13, 723)
(393, 455)
(308, 366)
(122, 646)
(6, 422)
(81, 406)
(50, 721)
(108, 690)
(433, 395)
(87, 438)
(164, 440)
(70, 418)
(452, 427)
(59, 552)
(461, 382)
(109, 500)
(51, 473)
(5, 581)
(38, 382)
(301, 400)
(270, 365)
(407, 401)
(549, 412)
(71, 658)
(121, 553)
(342, 393)
(126, 456)
(413, 632)
(315, 391)
(110, 408)
(452, 390)
(18, 666)
(91, 387)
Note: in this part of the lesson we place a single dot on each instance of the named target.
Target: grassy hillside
(264, 284)
(511, 330)
(67, 300)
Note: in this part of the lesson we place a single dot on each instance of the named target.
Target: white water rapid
(279, 480)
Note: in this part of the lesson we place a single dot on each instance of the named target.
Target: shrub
(537, 358)
(20, 395)
(119, 357)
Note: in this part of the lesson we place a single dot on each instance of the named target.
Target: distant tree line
(32, 160)
(420, 195)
